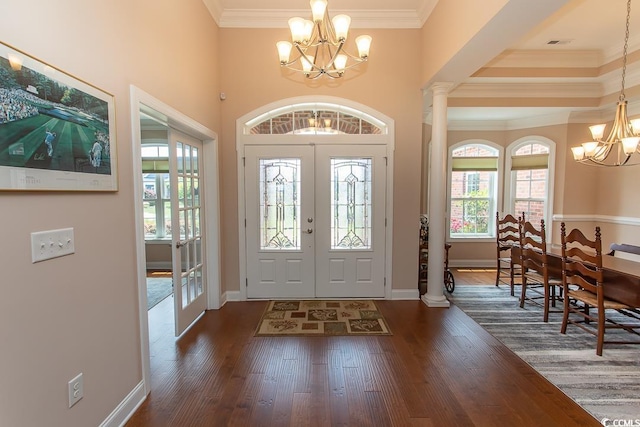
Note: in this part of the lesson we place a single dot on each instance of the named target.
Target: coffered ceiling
(566, 65)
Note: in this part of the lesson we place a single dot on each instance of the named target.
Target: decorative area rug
(158, 288)
(606, 387)
(322, 318)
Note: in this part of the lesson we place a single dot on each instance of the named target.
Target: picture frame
(57, 132)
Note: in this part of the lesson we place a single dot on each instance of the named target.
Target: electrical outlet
(51, 244)
(76, 390)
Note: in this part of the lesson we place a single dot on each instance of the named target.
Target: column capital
(441, 87)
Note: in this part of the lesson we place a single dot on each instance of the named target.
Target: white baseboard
(159, 265)
(229, 296)
(472, 263)
(396, 294)
(405, 294)
(126, 408)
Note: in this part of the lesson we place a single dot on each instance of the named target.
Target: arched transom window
(315, 118)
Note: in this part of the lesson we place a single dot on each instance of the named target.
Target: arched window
(473, 184)
(530, 178)
(315, 118)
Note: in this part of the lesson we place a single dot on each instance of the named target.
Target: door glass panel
(180, 157)
(183, 225)
(184, 275)
(279, 204)
(194, 156)
(196, 191)
(187, 159)
(351, 203)
(196, 222)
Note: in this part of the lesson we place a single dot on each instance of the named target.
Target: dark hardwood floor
(438, 369)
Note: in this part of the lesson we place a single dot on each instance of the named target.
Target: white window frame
(497, 196)
(510, 184)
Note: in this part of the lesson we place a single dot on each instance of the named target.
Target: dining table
(621, 276)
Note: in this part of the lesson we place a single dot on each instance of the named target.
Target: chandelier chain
(624, 52)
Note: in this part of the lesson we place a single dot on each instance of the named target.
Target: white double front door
(315, 221)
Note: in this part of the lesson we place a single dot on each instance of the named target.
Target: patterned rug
(607, 386)
(317, 317)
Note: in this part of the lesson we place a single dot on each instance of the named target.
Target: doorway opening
(316, 190)
(194, 260)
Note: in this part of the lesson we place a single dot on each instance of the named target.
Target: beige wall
(255, 79)
(441, 39)
(79, 313)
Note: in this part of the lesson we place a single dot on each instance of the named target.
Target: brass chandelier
(319, 44)
(622, 141)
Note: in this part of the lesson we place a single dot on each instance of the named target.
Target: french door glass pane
(351, 203)
(279, 204)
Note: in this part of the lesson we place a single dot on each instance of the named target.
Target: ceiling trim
(547, 59)
(269, 18)
(528, 90)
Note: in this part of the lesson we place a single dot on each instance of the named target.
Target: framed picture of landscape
(57, 133)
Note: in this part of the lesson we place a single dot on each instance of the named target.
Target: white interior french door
(187, 228)
(315, 221)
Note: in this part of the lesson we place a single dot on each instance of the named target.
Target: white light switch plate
(51, 244)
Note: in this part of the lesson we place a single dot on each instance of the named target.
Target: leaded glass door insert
(351, 203)
(315, 220)
(280, 204)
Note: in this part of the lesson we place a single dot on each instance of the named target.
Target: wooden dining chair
(506, 237)
(584, 288)
(544, 289)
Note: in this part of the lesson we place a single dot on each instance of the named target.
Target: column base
(431, 301)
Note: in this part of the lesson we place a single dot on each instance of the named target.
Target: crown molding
(425, 9)
(560, 118)
(215, 9)
(612, 80)
(528, 90)
(547, 59)
(616, 52)
(269, 18)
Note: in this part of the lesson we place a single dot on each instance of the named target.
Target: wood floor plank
(438, 368)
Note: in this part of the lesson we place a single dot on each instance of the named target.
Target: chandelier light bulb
(629, 145)
(318, 8)
(597, 131)
(340, 63)
(590, 148)
(297, 27)
(635, 125)
(578, 153)
(364, 44)
(284, 51)
(307, 63)
(341, 24)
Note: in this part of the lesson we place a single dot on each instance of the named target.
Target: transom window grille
(351, 203)
(474, 177)
(315, 119)
(530, 175)
(280, 204)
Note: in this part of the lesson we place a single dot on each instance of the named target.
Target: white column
(437, 198)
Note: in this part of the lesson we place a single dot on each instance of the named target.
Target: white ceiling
(591, 27)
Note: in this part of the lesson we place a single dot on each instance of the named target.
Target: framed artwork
(57, 133)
